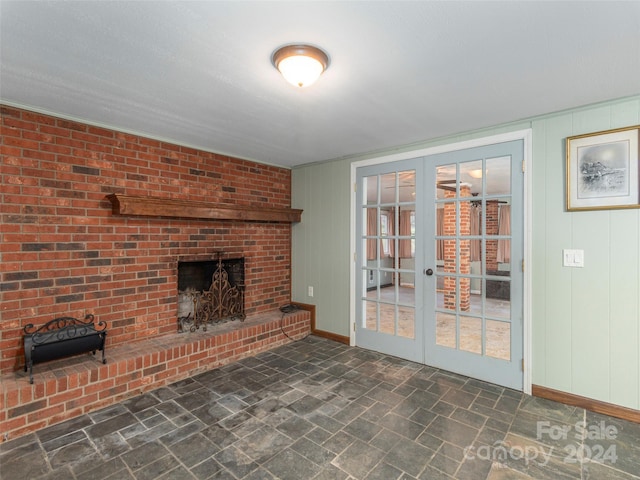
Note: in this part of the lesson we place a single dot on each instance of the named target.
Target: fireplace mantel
(172, 207)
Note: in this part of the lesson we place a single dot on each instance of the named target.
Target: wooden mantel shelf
(171, 207)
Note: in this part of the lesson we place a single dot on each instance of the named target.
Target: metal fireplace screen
(210, 292)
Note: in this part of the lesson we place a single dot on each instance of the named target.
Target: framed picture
(602, 170)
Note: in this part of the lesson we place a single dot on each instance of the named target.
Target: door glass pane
(447, 298)
(477, 265)
(498, 339)
(387, 291)
(406, 300)
(364, 277)
(497, 171)
(439, 232)
(406, 233)
(386, 227)
(450, 263)
(370, 311)
(464, 257)
(475, 303)
(406, 322)
(464, 294)
(406, 289)
(492, 257)
(471, 334)
(388, 188)
(446, 181)
(469, 218)
(503, 254)
(387, 318)
(449, 221)
(370, 247)
(498, 299)
(407, 186)
(370, 229)
(370, 189)
(471, 173)
(446, 331)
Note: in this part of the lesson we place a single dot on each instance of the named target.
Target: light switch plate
(573, 258)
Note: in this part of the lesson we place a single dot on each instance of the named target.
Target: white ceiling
(200, 73)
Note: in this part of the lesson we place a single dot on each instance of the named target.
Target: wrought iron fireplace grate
(222, 301)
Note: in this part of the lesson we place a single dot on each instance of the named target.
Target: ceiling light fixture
(476, 173)
(300, 65)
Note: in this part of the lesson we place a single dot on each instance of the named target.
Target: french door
(439, 261)
(390, 304)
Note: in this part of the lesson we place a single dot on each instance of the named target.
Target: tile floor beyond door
(317, 409)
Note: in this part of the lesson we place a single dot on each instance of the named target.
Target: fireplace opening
(210, 292)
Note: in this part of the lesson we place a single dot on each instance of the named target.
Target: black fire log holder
(62, 337)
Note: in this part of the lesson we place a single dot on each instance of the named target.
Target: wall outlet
(310, 291)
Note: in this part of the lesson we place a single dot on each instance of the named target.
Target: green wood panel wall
(320, 246)
(585, 320)
(624, 323)
(555, 310)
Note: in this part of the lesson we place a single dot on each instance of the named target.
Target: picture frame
(602, 170)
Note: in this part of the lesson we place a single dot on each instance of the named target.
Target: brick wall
(64, 253)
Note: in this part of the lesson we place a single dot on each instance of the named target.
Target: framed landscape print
(602, 170)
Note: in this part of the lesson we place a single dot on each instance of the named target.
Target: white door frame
(526, 137)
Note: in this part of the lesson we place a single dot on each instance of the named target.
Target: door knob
(428, 272)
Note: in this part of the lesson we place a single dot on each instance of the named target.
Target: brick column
(491, 219)
(464, 251)
(449, 228)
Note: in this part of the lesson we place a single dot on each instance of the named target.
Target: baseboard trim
(331, 336)
(321, 333)
(590, 404)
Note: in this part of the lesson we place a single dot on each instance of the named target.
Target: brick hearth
(71, 387)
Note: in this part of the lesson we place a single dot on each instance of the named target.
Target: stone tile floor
(320, 410)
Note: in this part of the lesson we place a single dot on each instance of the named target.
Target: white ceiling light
(477, 173)
(300, 65)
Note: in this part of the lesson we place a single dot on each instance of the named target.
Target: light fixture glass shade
(300, 65)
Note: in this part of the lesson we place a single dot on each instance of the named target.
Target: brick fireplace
(65, 253)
